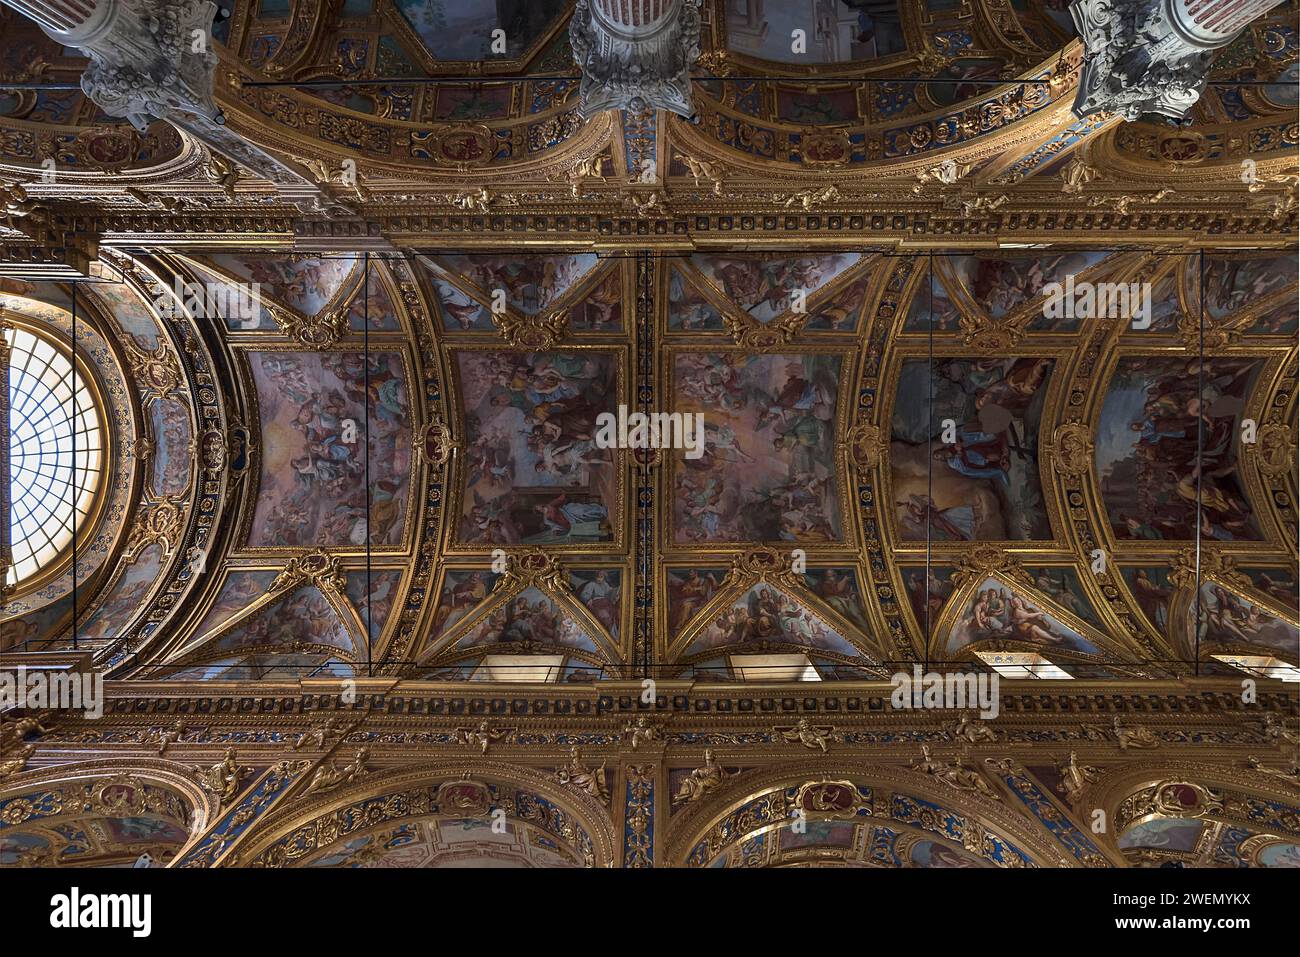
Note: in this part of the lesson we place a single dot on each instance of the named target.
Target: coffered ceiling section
(875, 458)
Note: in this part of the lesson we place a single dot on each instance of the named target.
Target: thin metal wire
(802, 79)
(72, 485)
(365, 334)
(929, 455)
(1200, 444)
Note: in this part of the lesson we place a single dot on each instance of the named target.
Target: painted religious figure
(1169, 431)
(768, 468)
(964, 455)
(533, 471)
(765, 614)
(998, 611)
(317, 410)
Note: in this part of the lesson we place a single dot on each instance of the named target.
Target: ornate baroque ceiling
(373, 375)
(376, 457)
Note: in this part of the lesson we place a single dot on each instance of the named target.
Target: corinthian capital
(1152, 56)
(148, 58)
(636, 56)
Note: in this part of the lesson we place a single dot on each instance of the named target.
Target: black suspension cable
(365, 335)
(1200, 444)
(72, 480)
(929, 453)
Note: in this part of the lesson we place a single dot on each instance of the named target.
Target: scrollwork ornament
(759, 337)
(987, 337)
(157, 371)
(981, 561)
(318, 331)
(215, 449)
(532, 332)
(436, 445)
(1274, 450)
(1185, 799)
(535, 568)
(159, 523)
(1204, 335)
(316, 567)
(867, 445)
(1072, 449)
(466, 798)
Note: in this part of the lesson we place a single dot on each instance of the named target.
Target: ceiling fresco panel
(534, 473)
(766, 616)
(460, 594)
(530, 283)
(483, 437)
(847, 31)
(306, 286)
(983, 483)
(1156, 411)
(316, 410)
(1221, 620)
(1005, 613)
(767, 469)
(463, 29)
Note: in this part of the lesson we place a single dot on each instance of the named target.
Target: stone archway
(852, 815)
(101, 814)
(501, 815)
(1182, 814)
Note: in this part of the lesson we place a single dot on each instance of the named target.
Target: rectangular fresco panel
(462, 29)
(533, 473)
(169, 422)
(314, 411)
(985, 485)
(1147, 445)
(767, 472)
(474, 101)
